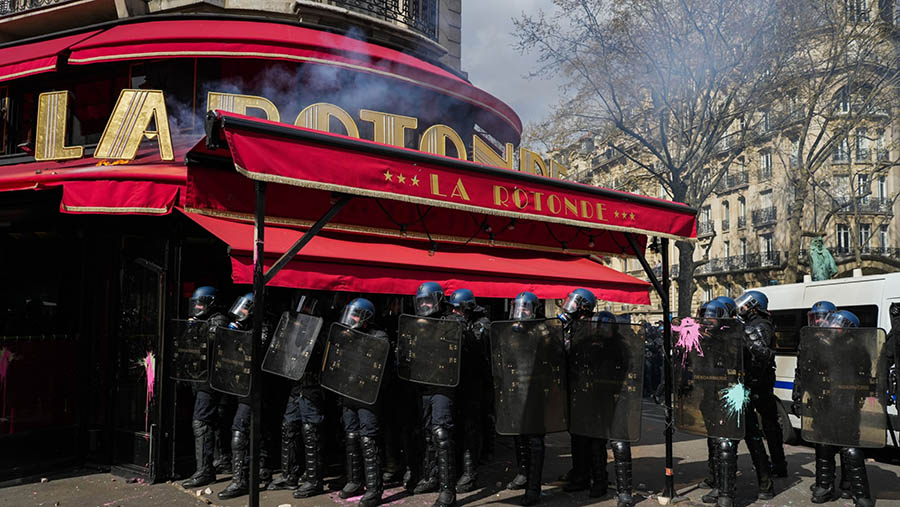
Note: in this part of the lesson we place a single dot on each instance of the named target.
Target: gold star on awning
(387, 176)
(401, 178)
(415, 181)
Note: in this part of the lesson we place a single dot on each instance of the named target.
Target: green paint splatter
(735, 398)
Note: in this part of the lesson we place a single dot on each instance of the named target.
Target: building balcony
(726, 225)
(746, 262)
(764, 216)
(420, 16)
(10, 7)
(867, 205)
(705, 228)
(731, 182)
(843, 252)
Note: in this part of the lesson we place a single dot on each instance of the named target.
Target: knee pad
(727, 448)
(852, 455)
(621, 450)
(351, 436)
(441, 437)
(200, 428)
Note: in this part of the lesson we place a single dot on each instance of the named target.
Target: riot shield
(190, 350)
(708, 361)
(429, 350)
(232, 352)
(606, 379)
(842, 386)
(292, 345)
(529, 366)
(354, 363)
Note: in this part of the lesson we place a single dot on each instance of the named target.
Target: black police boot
(312, 483)
(240, 466)
(622, 455)
(429, 481)
(469, 476)
(521, 477)
(710, 481)
(354, 485)
(854, 461)
(599, 477)
(446, 459)
(727, 473)
(712, 464)
(222, 463)
(203, 454)
(845, 486)
(290, 467)
(372, 460)
(578, 479)
(535, 468)
(763, 469)
(824, 488)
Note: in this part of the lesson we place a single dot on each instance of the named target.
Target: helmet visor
(428, 304)
(199, 306)
(745, 304)
(817, 318)
(354, 316)
(574, 303)
(241, 309)
(521, 310)
(837, 320)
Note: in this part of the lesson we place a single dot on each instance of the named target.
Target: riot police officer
(474, 378)
(361, 425)
(439, 465)
(241, 313)
(852, 458)
(206, 402)
(303, 411)
(588, 454)
(529, 448)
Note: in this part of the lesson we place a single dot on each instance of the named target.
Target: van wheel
(788, 433)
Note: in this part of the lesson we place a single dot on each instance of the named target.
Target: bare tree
(682, 80)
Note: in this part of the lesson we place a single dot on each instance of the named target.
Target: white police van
(868, 297)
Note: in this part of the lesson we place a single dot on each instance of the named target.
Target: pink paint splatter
(688, 337)
(149, 365)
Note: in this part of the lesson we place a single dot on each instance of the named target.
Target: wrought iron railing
(865, 204)
(845, 251)
(732, 181)
(8, 7)
(765, 216)
(705, 228)
(740, 263)
(418, 15)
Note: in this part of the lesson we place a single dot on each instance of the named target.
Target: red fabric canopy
(118, 197)
(409, 194)
(255, 39)
(28, 59)
(338, 262)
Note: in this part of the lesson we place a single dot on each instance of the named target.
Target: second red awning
(364, 264)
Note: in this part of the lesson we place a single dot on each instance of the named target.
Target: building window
(743, 247)
(726, 248)
(841, 151)
(843, 237)
(862, 145)
(765, 121)
(881, 151)
(843, 101)
(865, 234)
(857, 10)
(882, 187)
(765, 199)
(883, 232)
(708, 294)
(742, 208)
(767, 244)
(863, 188)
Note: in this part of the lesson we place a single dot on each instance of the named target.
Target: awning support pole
(662, 289)
(309, 235)
(259, 285)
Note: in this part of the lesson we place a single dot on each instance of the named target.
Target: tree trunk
(685, 277)
(795, 232)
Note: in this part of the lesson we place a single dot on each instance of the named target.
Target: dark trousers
(206, 406)
(764, 402)
(437, 410)
(361, 420)
(306, 407)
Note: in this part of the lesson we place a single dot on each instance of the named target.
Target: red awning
(409, 194)
(28, 59)
(118, 197)
(255, 39)
(355, 263)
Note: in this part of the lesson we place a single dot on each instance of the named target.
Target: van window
(868, 314)
(787, 329)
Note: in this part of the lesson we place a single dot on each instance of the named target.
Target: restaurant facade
(153, 153)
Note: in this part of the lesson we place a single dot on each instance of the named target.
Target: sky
(493, 64)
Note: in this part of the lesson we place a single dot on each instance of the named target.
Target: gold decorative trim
(318, 185)
(116, 209)
(38, 70)
(158, 54)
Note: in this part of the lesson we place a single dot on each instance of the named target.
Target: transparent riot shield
(354, 363)
(842, 386)
(232, 352)
(190, 350)
(529, 367)
(708, 363)
(292, 345)
(429, 350)
(606, 380)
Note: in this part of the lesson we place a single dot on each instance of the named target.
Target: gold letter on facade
(531, 162)
(50, 141)
(434, 140)
(558, 170)
(389, 128)
(482, 153)
(235, 103)
(129, 122)
(318, 117)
